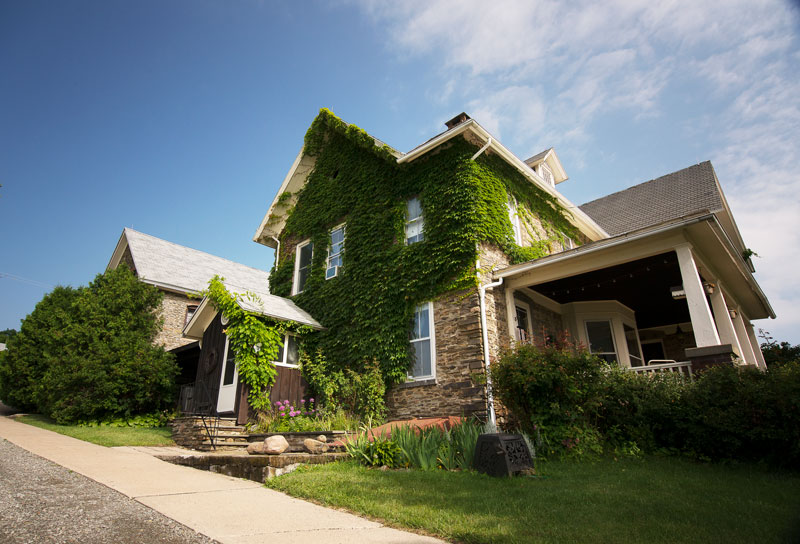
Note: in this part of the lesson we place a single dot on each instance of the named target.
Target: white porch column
(748, 354)
(705, 333)
(725, 327)
(511, 315)
(762, 364)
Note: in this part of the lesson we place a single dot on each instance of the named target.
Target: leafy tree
(39, 342)
(87, 354)
(775, 353)
(6, 335)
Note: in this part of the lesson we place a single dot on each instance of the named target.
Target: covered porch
(676, 298)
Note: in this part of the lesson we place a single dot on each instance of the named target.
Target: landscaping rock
(275, 445)
(256, 448)
(322, 438)
(315, 446)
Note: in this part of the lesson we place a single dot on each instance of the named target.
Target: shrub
(87, 354)
(743, 413)
(377, 452)
(357, 392)
(554, 389)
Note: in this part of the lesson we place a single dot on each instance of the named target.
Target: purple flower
(286, 402)
(312, 400)
(278, 403)
(302, 401)
(282, 408)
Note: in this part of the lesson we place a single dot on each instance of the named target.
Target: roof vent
(457, 120)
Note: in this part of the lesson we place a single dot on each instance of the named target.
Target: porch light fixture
(678, 293)
(709, 287)
(732, 314)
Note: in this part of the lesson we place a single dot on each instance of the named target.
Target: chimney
(457, 120)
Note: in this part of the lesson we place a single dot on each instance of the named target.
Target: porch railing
(665, 365)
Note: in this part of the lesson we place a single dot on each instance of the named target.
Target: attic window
(547, 174)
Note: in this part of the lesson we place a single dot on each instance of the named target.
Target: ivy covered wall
(368, 308)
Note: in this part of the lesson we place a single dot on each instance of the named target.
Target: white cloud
(540, 73)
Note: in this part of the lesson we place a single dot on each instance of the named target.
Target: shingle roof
(680, 194)
(275, 307)
(165, 263)
(537, 157)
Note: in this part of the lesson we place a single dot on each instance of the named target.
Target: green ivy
(368, 308)
(254, 339)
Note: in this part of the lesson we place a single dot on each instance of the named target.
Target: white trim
(432, 338)
(543, 300)
(274, 203)
(283, 362)
(296, 274)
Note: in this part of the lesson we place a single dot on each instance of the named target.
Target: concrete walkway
(229, 510)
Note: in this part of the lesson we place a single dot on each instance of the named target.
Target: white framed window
(190, 311)
(523, 318)
(302, 265)
(566, 242)
(423, 343)
(547, 174)
(415, 223)
(601, 340)
(287, 354)
(335, 249)
(513, 216)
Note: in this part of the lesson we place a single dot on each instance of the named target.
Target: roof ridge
(645, 183)
(193, 249)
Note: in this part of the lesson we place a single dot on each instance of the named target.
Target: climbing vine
(254, 339)
(367, 309)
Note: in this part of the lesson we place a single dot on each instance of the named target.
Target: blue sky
(181, 118)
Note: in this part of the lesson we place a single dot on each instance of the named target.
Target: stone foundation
(706, 357)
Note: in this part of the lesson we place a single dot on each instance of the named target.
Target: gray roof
(274, 306)
(171, 265)
(539, 156)
(680, 194)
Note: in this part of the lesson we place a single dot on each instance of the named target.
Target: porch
(665, 300)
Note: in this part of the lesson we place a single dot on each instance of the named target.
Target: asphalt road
(44, 503)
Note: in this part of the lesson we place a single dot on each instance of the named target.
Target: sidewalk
(229, 510)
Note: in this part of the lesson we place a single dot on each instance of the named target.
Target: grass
(655, 500)
(105, 436)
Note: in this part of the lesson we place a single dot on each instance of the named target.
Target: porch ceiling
(643, 285)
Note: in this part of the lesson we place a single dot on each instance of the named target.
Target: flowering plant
(286, 417)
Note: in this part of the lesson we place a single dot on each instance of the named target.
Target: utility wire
(29, 281)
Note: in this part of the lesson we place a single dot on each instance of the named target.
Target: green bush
(360, 392)
(554, 390)
(580, 405)
(743, 413)
(377, 452)
(87, 354)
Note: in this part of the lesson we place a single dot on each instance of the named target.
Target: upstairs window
(513, 216)
(414, 221)
(422, 343)
(302, 266)
(335, 249)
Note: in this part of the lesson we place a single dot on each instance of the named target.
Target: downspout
(277, 250)
(484, 330)
(481, 150)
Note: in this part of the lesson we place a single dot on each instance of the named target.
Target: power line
(29, 281)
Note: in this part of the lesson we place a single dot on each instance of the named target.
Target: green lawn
(106, 436)
(653, 500)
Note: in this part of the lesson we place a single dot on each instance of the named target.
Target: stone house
(180, 273)
(431, 262)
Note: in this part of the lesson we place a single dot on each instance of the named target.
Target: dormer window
(414, 221)
(547, 174)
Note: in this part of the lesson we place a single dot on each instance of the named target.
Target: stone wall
(127, 258)
(457, 388)
(173, 312)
